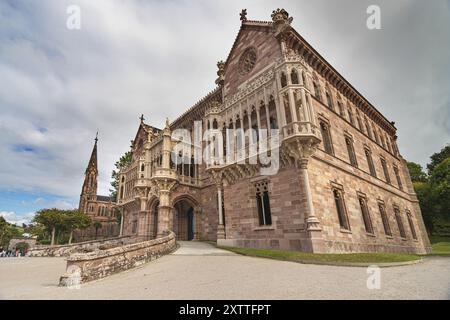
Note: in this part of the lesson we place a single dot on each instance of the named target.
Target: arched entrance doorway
(184, 220)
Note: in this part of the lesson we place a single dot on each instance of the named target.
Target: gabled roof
(372, 110)
(246, 25)
(147, 128)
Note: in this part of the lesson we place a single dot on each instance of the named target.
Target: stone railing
(102, 263)
(87, 246)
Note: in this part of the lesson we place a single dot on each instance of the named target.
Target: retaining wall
(102, 263)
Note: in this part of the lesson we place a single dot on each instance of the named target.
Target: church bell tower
(89, 190)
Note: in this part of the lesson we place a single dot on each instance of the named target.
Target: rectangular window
(368, 131)
(370, 163)
(385, 170)
(340, 208)
(365, 214)
(316, 91)
(360, 126)
(400, 226)
(351, 152)
(350, 116)
(411, 225)
(263, 203)
(399, 180)
(341, 110)
(326, 138)
(329, 100)
(385, 220)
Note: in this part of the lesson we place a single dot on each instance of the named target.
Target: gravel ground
(200, 271)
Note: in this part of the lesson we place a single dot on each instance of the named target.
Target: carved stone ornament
(247, 61)
(281, 20)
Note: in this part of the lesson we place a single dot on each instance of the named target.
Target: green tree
(423, 192)
(7, 231)
(3, 227)
(74, 219)
(416, 172)
(124, 161)
(36, 229)
(438, 158)
(440, 189)
(52, 220)
(97, 225)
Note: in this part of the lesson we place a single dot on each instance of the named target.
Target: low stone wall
(102, 263)
(87, 246)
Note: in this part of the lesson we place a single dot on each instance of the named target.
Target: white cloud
(16, 219)
(57, 87)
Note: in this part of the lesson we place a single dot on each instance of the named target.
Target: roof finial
(96, 137)
(142, 118)
(281, 20)
(243, 15)
(220, 72)
(167, 122)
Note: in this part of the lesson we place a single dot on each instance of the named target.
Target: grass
(302, 257)
(440, 245)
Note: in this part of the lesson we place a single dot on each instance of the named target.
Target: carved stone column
(165, 219)
(221, 226)
(312, 223)
(266, 106)
(217, 178)
(292, 106)
(121, 222)
(165, 180)
(143, 225)
(306, 111)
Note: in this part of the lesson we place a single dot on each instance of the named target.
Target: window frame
(385, 170)
(412, 227)
(365, 213)
(343, 218)
(384, 219)
(400, 224)
(349, 143)
(327, 126)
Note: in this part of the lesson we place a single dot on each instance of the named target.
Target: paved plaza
(198, 270)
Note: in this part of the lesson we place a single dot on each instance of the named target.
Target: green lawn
(441, 245)
(302, 257)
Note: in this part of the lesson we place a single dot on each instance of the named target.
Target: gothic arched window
(326, 138)
(294, 76)
(283, 80)
(340, 208)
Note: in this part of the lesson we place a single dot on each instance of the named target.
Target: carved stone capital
(217, 177)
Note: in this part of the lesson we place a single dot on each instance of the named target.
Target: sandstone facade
(342, 185)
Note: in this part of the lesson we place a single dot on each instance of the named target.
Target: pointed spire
(93, 160)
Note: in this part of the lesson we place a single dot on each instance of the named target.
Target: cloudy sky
(58, 86)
